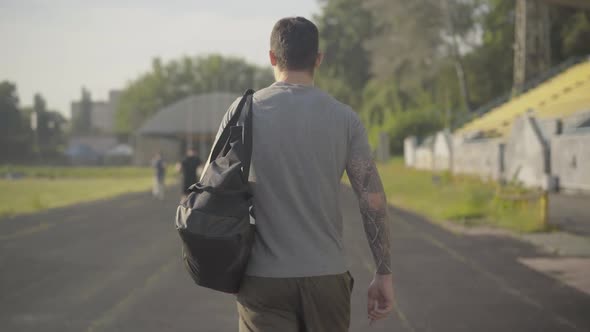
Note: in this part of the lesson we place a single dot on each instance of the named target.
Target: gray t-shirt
(302, 141)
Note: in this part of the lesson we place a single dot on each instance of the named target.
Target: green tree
(418, 37)
(490, 64)
(82, 118)
(9, 113)
(55, 138)
(345, 26)
(49, 133)
(383, 111)
(570, 33)
(14, 130)
(40, 127)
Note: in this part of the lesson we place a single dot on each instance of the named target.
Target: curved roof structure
(199, 114)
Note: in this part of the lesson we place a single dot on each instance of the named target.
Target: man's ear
(273, 58)
(319, 59)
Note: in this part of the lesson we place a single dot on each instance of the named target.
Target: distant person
(159, 175)
(188, 170)
(304, 139)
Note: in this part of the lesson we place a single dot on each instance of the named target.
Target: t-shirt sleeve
(358, 147)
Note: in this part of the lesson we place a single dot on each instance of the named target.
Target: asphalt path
(114, 265)
(570, 213)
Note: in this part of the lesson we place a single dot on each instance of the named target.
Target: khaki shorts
(310, 304)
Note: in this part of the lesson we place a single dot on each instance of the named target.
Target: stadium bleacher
(558, 97)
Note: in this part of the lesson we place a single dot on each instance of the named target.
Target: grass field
(50, 187)
(77, 172)
(461, 199)
(465, 200)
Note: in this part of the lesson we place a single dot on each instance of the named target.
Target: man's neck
(295, 77)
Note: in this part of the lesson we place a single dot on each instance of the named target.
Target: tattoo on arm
(367, 185)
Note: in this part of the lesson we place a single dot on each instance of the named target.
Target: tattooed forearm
(366, 183)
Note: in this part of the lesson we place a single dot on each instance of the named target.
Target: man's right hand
(380, 297)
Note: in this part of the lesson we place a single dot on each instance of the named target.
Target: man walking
(304, 139)
(159, 176)
(188, 170)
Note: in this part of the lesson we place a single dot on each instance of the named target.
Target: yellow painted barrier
(525, 200)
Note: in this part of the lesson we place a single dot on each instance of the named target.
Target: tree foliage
(415, 35)
(50, 137)
(169, 82)
(14, 134)
(490, 64)
(570, 33)
(384, 111)
(345, 26)
(17, 135)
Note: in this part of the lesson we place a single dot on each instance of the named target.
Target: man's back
(302, 138)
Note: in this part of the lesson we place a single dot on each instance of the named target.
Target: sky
(55, 47)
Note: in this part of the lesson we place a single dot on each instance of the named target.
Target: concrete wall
(570, 161)
(577, 120)
(425, 154)
(424, 158)
(481, 157)
(410, 145)
(549, 128)
(536, 153)
(527, 154)
(443, 151)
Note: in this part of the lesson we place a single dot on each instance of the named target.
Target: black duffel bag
(214, 220)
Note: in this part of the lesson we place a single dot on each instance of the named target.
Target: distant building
(193, 120)
(102, 114)
(92, 147)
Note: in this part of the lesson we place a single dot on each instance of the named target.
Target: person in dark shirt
(159, 175)
(188, 170)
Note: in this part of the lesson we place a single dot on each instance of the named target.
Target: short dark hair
(295, 43)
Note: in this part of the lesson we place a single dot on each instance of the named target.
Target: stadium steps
(558, 97)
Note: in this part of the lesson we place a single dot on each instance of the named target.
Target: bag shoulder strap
(232, 122)
(247, 138)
